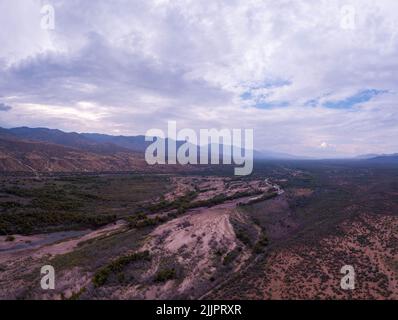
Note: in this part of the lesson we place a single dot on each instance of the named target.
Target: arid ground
(283, 233)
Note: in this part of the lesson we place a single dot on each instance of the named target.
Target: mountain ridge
(53, 150)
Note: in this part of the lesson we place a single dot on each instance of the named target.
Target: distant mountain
(53, 150)
(391, 158)
(368, 156)
(50, 150)
(71, 139)
(104, 143)
(270, 155)
(68, 139)
(135, 143)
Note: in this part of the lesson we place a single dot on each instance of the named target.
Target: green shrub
(28, 222)
(165, 275)
(117, 266)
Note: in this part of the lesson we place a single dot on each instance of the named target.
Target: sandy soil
(190, 242)
(18, 265)
(368, 243)
(51, 244)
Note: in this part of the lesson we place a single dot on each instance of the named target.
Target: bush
(142, 222)
(181, 202)
(117, 266)
(165, 275)
(230, 257)
(244, 238)
(10, 238)
(260, 245)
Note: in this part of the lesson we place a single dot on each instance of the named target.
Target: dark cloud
(116, 76)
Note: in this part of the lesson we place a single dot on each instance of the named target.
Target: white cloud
(324, 145)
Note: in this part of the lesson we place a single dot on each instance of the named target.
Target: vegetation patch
(231, 256)
(163, 205)
(58, 202)
(117, 266)
(245, 232)
(165, 275)
(35, 221)
(261, 244)
(10, 238)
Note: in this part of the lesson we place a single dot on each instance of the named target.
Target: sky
(315, 78)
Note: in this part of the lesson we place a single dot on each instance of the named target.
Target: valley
(282, 233)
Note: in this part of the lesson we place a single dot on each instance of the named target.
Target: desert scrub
(245, 231)
(261, 244)
(180, 202)
(34, 221)
(231, 256)
(117, 266)
(165, 275)
(144, 221)
(10, 238)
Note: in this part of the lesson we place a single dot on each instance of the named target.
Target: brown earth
(368, 243)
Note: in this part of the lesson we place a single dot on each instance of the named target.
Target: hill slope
(392, 158)
(31, 156)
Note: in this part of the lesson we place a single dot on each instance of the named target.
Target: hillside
(52, 150)
(26, 156)
(48, 150)
(392, 158)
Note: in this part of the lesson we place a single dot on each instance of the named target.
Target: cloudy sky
(311, 77)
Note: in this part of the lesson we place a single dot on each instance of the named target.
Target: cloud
(4, 107)
(287, 69)
(324, 145)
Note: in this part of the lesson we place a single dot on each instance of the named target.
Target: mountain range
(53, 150)
(46, 150)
